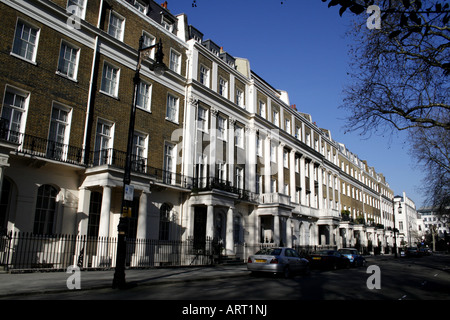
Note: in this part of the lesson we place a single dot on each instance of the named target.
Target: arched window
(45, 210)
(164, 221)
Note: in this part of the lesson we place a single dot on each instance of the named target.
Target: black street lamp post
(127, 196)
(395, 238)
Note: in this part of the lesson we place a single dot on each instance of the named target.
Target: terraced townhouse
(218, 152)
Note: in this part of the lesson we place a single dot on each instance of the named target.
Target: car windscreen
(269, 251)
(347, 251)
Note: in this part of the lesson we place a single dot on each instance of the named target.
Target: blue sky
(300, 46)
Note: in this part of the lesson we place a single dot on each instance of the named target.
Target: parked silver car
(278, 260)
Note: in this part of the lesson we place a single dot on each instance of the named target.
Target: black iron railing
(23, 251)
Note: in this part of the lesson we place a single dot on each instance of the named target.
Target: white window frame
(239, 181)
(287, 125)
(149, 40)
(114, 81)
(239, 136)
(222, 131)
(58, 122)
(145, 97)
(37, 30)
(223, 87)
(240, 98)
(262, 108)
(202, 119)
(276, 118)
(285, 159)
(101, 135)
(80, 7)
(23, 111)
(167, 24)
(117, 31)
(172, 108)
(175, 61)
(273, 153)
(204, 78)
(140, 6)
(75, 63)
(140, 150)
(259, 146)
(273, 185)
(221, 171)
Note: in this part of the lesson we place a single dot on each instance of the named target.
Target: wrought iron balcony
(117, 159)
(208, 184)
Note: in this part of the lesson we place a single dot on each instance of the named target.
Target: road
(425, 278)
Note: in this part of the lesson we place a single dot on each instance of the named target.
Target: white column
(313, 203)
(84, 199)
(302, 181)
(320, 191)
(142, 216)
(229, 245)
(230, 150)
(288, 232)
(276, 230)
(210, 222)
(267, 165)
(105, 212)
(281, 168)
(292, 175)
(213, 143)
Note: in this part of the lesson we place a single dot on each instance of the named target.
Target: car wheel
(334, 266)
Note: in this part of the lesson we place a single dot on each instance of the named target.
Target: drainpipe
(91, 94)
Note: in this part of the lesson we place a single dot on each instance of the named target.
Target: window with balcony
(240, 178)
(139, 153)
(169, 163)
(58, 137)
(103, 143)
(15, 105)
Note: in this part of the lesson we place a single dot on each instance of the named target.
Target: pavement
(18, 284)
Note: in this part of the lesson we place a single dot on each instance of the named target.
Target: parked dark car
(352, 254)
(413, 252)
(425, 251)
(329, 259)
